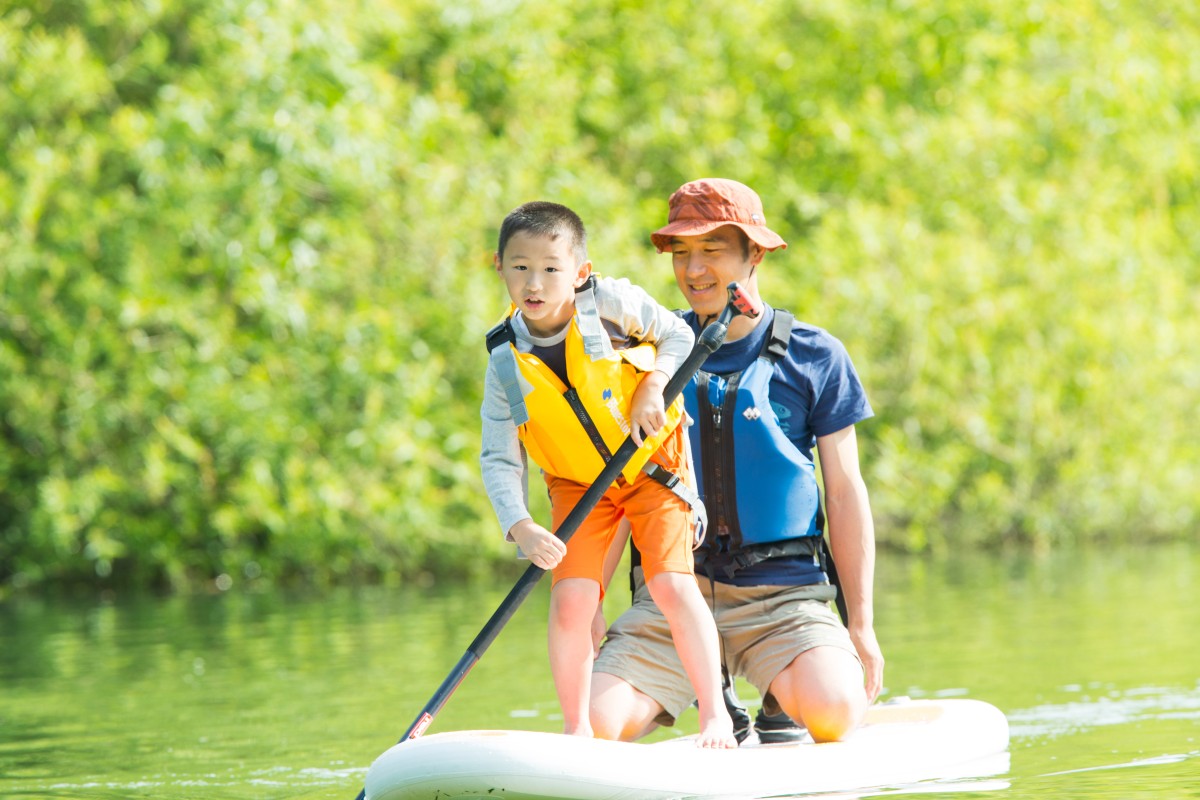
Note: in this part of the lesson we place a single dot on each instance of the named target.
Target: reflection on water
(1093, 656)
(1141, 762)
(1105, 706)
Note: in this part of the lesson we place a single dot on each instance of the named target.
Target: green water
(1094, 657)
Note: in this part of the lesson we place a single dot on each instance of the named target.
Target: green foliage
(246, 254)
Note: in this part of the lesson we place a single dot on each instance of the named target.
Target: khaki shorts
(762, 629)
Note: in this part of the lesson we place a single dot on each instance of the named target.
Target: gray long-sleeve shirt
(630, 316)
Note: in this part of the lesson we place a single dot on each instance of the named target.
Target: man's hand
(647, 411)
(872, 659)
(539, 545)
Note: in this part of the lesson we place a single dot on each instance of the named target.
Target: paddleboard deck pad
(899, 744)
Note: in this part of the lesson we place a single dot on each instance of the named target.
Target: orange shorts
(662, 523)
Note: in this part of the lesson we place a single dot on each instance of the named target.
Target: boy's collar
(522, 332)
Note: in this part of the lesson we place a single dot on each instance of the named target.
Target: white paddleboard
(900, 743)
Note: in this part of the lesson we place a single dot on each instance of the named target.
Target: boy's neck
(540, 332)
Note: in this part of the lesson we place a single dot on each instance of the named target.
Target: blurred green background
(245, 252)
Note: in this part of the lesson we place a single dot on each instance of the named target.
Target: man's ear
(585, 271)
(757, 252)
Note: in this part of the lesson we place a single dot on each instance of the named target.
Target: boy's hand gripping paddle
(711, 338)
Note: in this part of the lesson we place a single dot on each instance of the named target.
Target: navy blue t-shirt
(814, 392)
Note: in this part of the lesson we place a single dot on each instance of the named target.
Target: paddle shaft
(525, 584)
(710, 339)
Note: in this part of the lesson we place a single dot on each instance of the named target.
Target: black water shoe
(776, 728)
(738, 712)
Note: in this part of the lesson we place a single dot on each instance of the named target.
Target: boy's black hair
(541, 218)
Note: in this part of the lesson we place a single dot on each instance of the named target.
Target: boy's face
(706, 264)
(542, 276)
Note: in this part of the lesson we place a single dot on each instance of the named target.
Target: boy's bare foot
(581, 730)
(717, 734)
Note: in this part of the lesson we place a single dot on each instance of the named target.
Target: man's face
(706, 264)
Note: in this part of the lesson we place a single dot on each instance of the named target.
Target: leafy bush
(246, 254)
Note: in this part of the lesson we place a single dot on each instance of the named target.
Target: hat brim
(761, 235)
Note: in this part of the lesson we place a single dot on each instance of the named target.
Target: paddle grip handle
(744, 303)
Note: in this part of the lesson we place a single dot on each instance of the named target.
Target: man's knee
(823, 689)
(835, 718)
(668, 590)
(618, 710)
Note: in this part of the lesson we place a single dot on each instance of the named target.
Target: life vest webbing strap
(707, 434)
(776, 345)
(727, 453)
(729, 562)
(669, 479)
(595, 340)
(684, 492)
(501, 333)
(585, 420)
(507, 370)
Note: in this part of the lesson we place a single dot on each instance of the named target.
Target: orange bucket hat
(700, 206)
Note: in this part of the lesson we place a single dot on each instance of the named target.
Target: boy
(558, 389)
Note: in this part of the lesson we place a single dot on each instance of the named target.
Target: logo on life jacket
(614, 408)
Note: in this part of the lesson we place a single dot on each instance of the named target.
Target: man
(772, 390)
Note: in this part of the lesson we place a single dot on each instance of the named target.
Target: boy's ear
(585, 271)
(496, 261)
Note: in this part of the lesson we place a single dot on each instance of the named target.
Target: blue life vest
(760, 490)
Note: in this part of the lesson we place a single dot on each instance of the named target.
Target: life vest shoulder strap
(775, 346)
(596, 342)
(507, 370)
(502, 333)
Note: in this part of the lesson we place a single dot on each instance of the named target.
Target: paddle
(710, 339)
